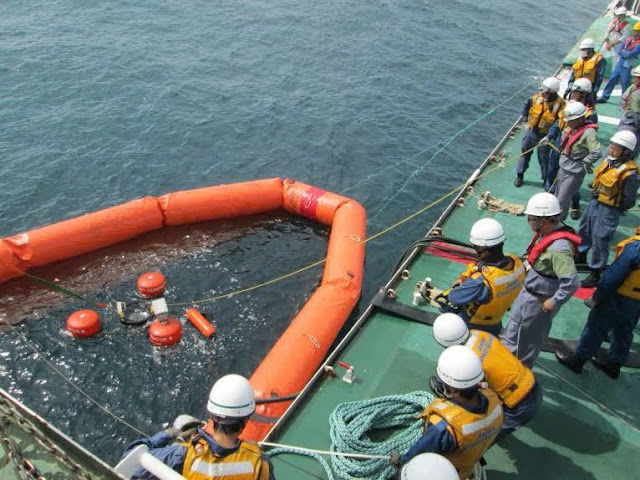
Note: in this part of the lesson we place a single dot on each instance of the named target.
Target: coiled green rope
(351, 422)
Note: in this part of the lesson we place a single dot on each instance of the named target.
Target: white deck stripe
(617, 92)
(608, 120)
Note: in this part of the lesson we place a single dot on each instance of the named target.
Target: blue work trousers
(530, 140)
(614, 318)
(597, 227)
(522, 413)
(619, 72)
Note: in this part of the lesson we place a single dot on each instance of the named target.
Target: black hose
(261, 401)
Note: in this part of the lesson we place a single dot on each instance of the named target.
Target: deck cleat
(349, 375)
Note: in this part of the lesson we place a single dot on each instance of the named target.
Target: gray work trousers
(567, 184)
(528, 327)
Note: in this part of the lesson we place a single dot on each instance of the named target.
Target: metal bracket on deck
(349, 375)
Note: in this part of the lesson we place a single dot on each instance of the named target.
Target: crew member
(463, 423)
(540, 113)
(619, 29)
(615, 184)
(580, 92)
(514, 383)
(631, 107)
(615, 309)
(627, 51)
(551, 279)
(214, 452)
(590, 65)
(429, 466)
(484, 293)
(579, 149)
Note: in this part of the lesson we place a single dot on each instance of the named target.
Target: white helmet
(636, 71)
(231, 397)
(449, 330)
(620, 11)
(486, 232)
(551, 84)
(429, 466)
(625, 139)
(460, 368)
(587, 43)
(543, 204)
(574, 110)
(582, 85)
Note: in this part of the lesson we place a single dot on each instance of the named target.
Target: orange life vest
(631, 285)
(609, 179)
(201, 464)
(586, 68)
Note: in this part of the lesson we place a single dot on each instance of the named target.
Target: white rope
(323, 452)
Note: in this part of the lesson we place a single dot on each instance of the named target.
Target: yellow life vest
(631, 285)
(473, 432)
(587, 68)
(505, 374)
(505, 285)
(608, 180)
(244, 464)
(542, 114)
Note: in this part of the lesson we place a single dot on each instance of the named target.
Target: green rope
(350, 422)
(280, 451)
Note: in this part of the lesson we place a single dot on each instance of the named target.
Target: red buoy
(151, 285)
(165, 332)
(200, 322)
(83, 323)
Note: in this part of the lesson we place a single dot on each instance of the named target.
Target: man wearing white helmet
(619, 29)
(429, 466)
(589, 65)
(485, 291)
(627, 51)
(214, 451)
(550, 282)
(540, 112)
(513, 382)
(579, 150)
(463, 423)
(631, 107)
(615, 186)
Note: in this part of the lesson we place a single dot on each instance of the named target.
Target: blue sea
(104, 102)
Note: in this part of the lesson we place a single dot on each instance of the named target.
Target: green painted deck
(571, 438)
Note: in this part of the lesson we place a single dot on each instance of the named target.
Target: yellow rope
(369, 239)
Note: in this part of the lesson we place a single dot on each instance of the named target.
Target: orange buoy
(200, 322)
(165, 332)
(83, 323)
(151, 284)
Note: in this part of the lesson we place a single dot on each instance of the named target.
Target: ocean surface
(103, 102)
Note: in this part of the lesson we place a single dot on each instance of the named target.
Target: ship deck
(587, 427)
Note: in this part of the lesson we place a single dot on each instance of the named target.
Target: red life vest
(618, 26)
(535, 248)
(631, 43)
(572, 137)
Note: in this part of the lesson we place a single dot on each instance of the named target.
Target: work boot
(602, 100)
(570, 361)
(580, 258)
(575, 213)
(592, 280)
(519, 180)
(612, 369)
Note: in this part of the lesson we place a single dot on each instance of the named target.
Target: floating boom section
(302, 347)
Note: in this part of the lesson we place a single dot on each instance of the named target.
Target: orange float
(302, 347)
(151, 285)
(200, 322)
(165, 332)
(84, 323)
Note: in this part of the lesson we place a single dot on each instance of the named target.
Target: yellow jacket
(474, 433)
(505, 374)
(542, 114)
(608, 180)
(586, 68)
(244, 464)
(631, 285)
(505, 285)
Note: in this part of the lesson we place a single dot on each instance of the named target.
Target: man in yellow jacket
(215, 451)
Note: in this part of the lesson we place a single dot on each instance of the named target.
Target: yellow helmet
(636, 27)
